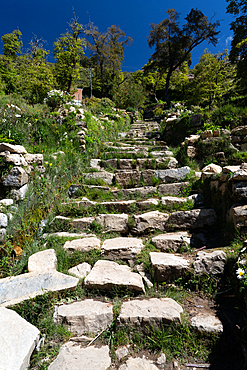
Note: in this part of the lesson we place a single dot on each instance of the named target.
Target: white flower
(240, 273)
(17, 115)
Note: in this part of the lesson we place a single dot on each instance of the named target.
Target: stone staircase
(130, 202)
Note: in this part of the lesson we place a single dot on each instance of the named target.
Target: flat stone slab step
(16, 289)
(142, 191)
(88, 316)
(171, 241)
(73, 356)
(150, 312)
(168, 266)
(82, 245)
(107, 274)
(18, 339)
(138, 363)
(150, 221)
(207, 323)
(121, 248)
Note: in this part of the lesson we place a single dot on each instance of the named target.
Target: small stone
(161, 360)
(81, 270)
(121, 352)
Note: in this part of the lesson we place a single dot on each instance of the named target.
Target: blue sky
(49, 18)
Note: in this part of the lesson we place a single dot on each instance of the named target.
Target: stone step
(73, 356)
(108, 274)
(17, 340)
(139, 163)
(143, 223)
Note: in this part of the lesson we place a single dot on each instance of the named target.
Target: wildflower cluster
(241, 271)
(55, 98)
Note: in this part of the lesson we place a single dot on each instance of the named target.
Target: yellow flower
(50, 164)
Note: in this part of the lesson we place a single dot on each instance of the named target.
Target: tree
(12, 43)
(10, 59)
(108, 52)
(238, 52)
(213, 78)
(68, 50)
(173, 45)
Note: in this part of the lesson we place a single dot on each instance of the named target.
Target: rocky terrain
(151, 226)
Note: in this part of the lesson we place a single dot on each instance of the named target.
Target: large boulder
(18, 339)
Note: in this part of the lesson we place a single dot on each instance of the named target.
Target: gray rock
(121, 248)
(43, 261)
(161, 360)
(106, 274)
(172, 175)
(120, 206)
(138, 363)
(17, 149)
(3, 220)
(172, 189)
(148, 176)
(196, 218)
(83, 223)
(125, 164)
(19, 194)
(238, 216)
(95, 163)
(207, 323)
(107, 177)
(17, 177)
(83, 203)
(170, 201)
(128, 178)
(88, 316)
(144, 191)
(239, 189)
(34, 158)
(121, 352)
(240, 175)
(210, 262)
(81, 270)
(171, 241)
(150, 312)
(16, 289)
(145, 204)
(3, 235)
(6, 202)
(75, 357)
(82, 245)
(113, 222)
(18, 339)
(16, 159)
(168, 266)
(150, 221)
(110, 163)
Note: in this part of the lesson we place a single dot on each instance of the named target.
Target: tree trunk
(167, 97)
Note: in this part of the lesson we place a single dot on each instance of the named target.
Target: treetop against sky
(49, 19)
